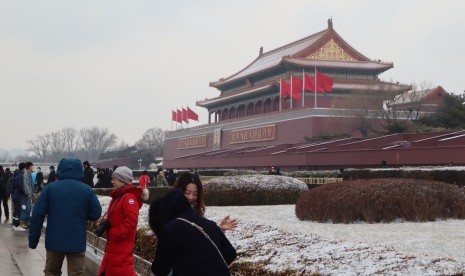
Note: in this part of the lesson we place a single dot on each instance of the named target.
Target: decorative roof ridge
(263, 55)
(294, 43)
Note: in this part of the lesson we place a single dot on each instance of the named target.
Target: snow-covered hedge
(307, 174)
(377, 200)
(452, 175)
(240, 172)
(253, 190)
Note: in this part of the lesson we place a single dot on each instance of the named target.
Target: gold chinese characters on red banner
(192, 142)
(248, 135)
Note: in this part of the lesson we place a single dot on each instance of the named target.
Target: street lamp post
(140, 163)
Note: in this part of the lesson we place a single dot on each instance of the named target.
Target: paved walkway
(16, 258)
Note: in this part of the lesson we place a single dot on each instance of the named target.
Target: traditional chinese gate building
(250, 114)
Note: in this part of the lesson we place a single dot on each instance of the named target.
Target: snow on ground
(274, 236)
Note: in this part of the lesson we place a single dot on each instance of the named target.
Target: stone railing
(307, 180)
(319, 180)
(98, 244)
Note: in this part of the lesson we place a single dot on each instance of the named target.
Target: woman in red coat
(122, 215)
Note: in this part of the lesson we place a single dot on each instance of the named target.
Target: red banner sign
(192, 142)
(248, 135)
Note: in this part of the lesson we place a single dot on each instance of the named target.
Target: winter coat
(69, 204)
(123, 214)
(171, 178)
(17, 187)
(39, 178)
(161, 181)
(3, 183)
(51, 177)
(27, 188)
(89, 177)
(144, 181)
(181, 247)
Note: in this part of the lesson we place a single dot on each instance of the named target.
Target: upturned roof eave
(223, 81)
(354, 65)
(222, 98)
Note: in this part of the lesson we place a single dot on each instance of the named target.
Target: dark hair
(189, 178)
(144, 172)
(167, 208)
(29, 164)
(21, 166)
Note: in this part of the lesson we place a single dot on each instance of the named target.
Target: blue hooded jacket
(69, 204)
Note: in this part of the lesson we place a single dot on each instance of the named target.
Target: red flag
(184, 115)
(324, 81)
(296, 88)
(310, 84)
(285, 89)
(173, 115)
(192, 115)
(179, 116)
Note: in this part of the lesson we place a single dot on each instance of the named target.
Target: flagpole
(315, 86)
(280, 94)
(303, 87)
(187, 115)
(291, 91)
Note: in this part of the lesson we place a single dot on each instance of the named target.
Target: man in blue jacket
(69, 204)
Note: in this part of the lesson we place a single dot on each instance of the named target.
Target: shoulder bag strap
(206, 235)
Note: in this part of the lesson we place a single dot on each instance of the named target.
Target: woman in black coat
(182, 248)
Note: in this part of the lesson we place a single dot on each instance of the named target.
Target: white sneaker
(19, 228)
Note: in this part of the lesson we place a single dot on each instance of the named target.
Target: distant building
(251, 114)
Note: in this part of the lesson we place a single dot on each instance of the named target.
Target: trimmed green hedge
(376, 200)
(253, 190)
(451, 176)
(241, 172)
(316, 174)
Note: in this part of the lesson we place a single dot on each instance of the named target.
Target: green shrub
(448, 175)
(253, 190)
(240, 172)
(353, 174)
(316, 174)
(377, 200)
(145, 244)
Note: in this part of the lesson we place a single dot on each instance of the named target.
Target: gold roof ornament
(331, 51)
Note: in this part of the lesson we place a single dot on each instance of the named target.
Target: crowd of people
(187, 242)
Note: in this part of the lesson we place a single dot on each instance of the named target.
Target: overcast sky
(124, 65)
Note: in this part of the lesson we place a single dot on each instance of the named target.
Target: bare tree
(121, 146)
(39, 147)
(57, 145)
(71, 140)
(153, 140)
(399, 111)
(96, 140)
(413, 99)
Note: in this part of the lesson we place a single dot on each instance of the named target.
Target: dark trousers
(16, 211)
(4, 200)
(54, 262)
